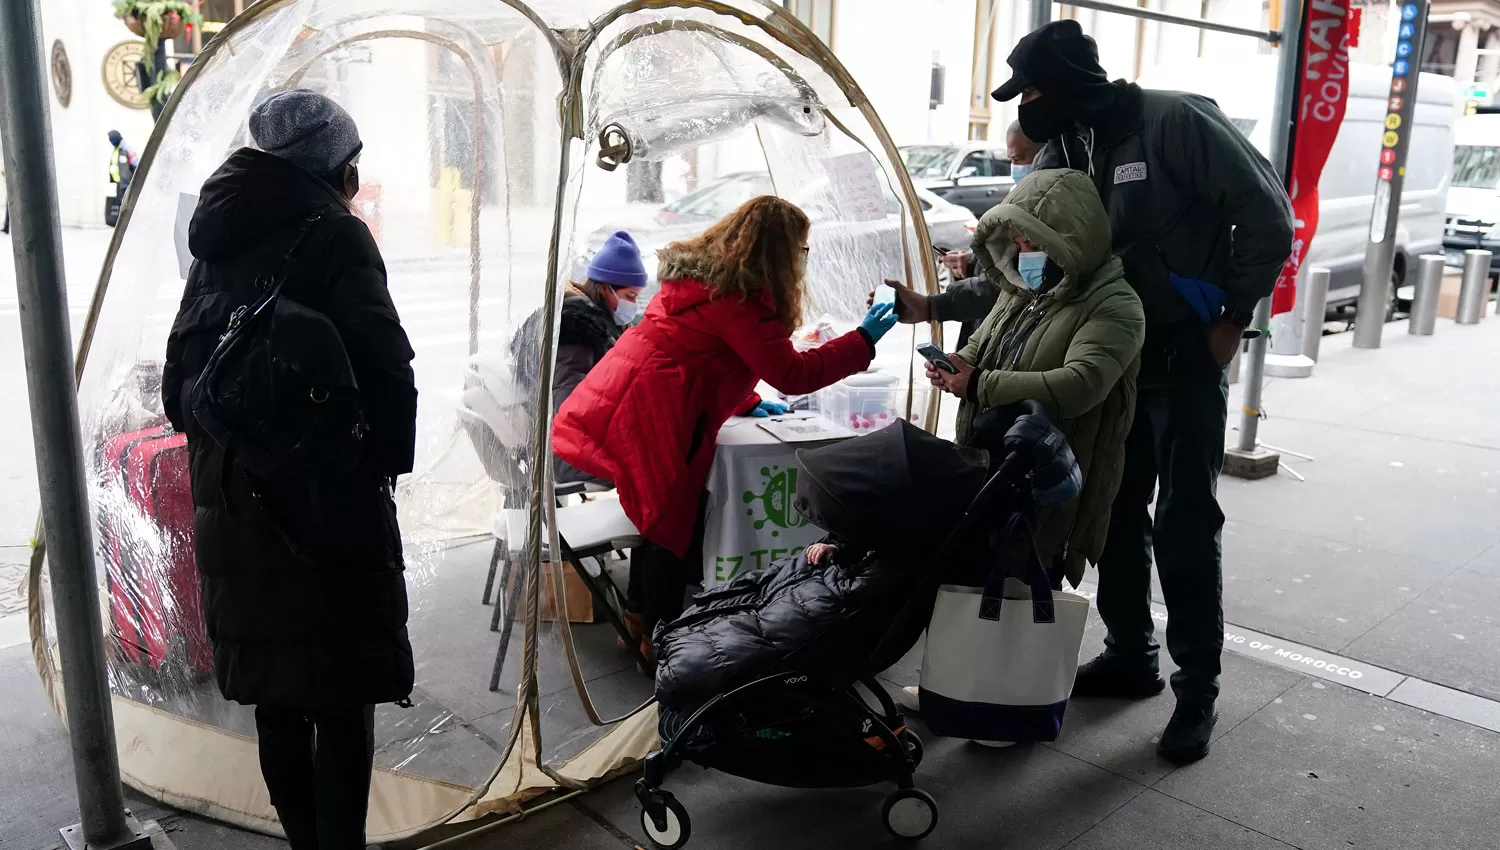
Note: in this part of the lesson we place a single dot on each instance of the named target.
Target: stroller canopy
(894, 487)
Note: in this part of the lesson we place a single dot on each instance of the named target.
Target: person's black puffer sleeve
(378, 347)
(967, 300)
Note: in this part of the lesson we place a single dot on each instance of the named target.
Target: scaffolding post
(67, 524)
(1249, 459)
(1041, 13)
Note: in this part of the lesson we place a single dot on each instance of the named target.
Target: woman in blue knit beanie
(595, 313)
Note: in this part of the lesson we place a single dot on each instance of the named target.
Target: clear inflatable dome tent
(500, 139)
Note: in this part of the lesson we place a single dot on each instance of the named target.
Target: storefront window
(216, 15)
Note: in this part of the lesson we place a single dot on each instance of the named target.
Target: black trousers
(658, 584)
(1175, 450)
(659, 579)
(317, 767)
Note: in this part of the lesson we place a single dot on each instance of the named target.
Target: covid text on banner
(1323, 93)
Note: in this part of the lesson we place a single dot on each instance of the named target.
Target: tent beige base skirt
(224, 770)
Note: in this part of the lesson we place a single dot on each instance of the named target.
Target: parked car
(834, 242)
(973, 175)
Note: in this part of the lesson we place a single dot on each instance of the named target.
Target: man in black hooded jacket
(302, 577)
(1203, 226)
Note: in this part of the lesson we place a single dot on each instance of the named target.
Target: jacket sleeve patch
(1130, 172)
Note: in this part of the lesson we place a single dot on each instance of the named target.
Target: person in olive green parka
(1067, 334)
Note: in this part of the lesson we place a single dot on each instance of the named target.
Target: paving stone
(1161, 823)
(1327, 768)
(1402, 494)
(1447, 635)
(1029, 797)
(1316, 591)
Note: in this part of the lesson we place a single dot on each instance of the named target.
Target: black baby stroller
(762, 679)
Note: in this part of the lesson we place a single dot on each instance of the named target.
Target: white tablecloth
(750, 520)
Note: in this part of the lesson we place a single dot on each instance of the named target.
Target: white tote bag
(1000, 659)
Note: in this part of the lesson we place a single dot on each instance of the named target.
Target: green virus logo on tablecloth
(776, 498)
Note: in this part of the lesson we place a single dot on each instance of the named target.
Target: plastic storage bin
(870, 401)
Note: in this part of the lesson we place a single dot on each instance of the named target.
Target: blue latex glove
(1206, 299)
(767, 409)
(880, 319)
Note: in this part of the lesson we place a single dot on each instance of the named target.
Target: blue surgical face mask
(1018, 171)
(625, 312)
(1033, 266)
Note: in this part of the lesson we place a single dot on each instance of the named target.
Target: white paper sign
(803, 428)
(186, 204)
(856, 186)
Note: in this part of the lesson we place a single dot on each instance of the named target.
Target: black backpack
(279, 392)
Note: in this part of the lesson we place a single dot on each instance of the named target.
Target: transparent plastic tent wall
(482, 123)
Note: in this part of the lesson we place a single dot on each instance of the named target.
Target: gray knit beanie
(306, 129)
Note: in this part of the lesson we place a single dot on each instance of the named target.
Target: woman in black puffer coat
(302, 579)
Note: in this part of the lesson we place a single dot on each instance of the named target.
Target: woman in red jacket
(647, 417)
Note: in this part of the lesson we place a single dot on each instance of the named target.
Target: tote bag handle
(1042, 609)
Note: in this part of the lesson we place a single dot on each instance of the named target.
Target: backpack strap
(278, 277)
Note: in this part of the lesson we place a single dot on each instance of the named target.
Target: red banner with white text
(1323, 92)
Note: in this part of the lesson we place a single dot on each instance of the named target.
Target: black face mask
(1041, 121)
(351, 181)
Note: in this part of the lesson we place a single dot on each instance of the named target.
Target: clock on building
(119, 74)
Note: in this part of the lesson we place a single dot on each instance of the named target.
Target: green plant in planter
(166, 83)
(147, 18)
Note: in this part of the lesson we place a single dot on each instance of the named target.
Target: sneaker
(994, 745)
(1188, 734)
(1105, 678)
(909, 699)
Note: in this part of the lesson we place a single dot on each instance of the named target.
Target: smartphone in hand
(936, 357)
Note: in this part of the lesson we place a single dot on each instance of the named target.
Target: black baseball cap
(1052, 57)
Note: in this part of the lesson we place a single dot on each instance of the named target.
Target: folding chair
(584, 531)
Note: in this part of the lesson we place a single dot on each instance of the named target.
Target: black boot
(1108, 678)
(1187, 736)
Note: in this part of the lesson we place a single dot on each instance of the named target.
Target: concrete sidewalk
(1385, 562)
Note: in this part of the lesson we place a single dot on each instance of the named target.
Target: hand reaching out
(912, 307)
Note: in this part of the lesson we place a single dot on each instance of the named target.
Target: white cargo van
(1346, 192)
(1474, 200)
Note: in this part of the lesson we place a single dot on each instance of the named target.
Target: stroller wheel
(913, 746)
(675, 827)
(910, 814)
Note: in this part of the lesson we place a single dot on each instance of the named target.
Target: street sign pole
(1380, 254)
(67, 522)
(1248, 458)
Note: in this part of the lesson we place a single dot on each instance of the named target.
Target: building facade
(927, 65)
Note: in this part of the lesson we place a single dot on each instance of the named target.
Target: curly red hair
(759, 246)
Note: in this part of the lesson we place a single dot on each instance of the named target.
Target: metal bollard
(1474, 291)
(1314, 308)
(1424, 303)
